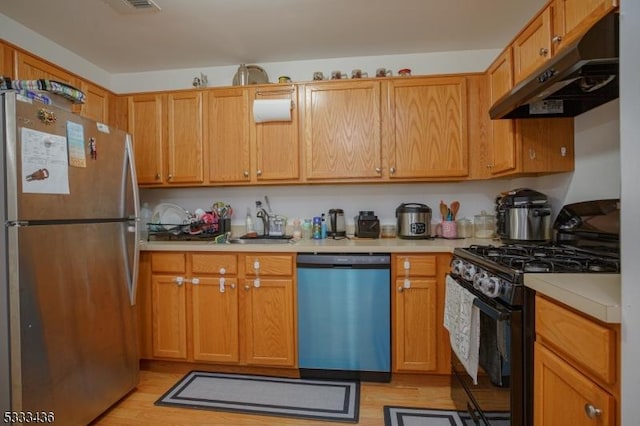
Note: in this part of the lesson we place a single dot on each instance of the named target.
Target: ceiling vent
(127, 7)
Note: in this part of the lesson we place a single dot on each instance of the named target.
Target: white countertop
(352, 245)
(594, 294)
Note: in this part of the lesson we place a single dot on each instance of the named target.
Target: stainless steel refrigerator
(69, 260)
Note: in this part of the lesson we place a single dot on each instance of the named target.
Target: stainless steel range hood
(582, 76)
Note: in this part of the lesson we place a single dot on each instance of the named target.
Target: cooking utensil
(455, 207)
(443, 210)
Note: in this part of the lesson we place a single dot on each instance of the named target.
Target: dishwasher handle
(350, 260)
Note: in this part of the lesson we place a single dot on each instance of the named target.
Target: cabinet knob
(157, 176)
(245, 173)
(591, 411)
(489, 166)
(170, 177)
(544, 51)
(556, 39)
(246, 287)
(259, 172)
(179, 280)
(392, 170)
(400, 289)
(378, 170)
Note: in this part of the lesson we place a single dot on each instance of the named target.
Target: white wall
(424, 63)
(21, 36)
(630, 153)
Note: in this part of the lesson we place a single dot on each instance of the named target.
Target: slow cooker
(523, 215)
(414, 221)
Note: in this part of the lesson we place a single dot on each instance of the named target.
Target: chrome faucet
(264, 216)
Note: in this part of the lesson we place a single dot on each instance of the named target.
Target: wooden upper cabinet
(96, 106)
(428, 122)
(342, 131)
(146, 114)
(32, 68)
(227, 132)
(503, 151)
(6, 60)
(571, 18)
(277, 147)
(185, 140)
(532, 47)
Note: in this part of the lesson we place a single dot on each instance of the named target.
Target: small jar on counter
(297, 230)
(464, 227)
(306, 229)
(484, 225)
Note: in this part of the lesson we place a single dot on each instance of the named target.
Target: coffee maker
(367, 225)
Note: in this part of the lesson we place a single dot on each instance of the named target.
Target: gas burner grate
(546, 258)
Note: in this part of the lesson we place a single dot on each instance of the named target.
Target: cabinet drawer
(168, 263)
(418, 265)
(213, 263)
(587, 344)
(268, 264)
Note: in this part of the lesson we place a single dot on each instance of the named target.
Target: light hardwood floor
(138, 409)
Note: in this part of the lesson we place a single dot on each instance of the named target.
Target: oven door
(497, 398)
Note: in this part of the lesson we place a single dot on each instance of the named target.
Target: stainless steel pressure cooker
(523, 215)
(414, 221)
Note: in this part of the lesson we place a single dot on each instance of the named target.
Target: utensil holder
(449, 229)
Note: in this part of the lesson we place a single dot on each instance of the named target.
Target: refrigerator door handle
(133, 260)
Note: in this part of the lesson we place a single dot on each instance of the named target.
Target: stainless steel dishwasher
(344, 315)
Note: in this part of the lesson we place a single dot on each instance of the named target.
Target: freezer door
(99, 187)
(75, 343)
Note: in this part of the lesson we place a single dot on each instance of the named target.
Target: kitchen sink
(262, 240)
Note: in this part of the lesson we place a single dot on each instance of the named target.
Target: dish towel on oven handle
(462, 320)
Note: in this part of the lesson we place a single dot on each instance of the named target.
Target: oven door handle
(494, 312)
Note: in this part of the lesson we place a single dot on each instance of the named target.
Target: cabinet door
(96, 106)
(563, 396)
(215, 319)
(146, 125)
(429, 128)
(269, 321)
(169, 300)
(185, 142)
(503, 150)
(573, 17)
(415, 325)
(532, 47)
(277, 143)
(6, 61)
(547, 145)
(227, 134)
(144, 307)
(32, 68)
(342, 130)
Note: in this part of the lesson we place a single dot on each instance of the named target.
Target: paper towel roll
(271, 110)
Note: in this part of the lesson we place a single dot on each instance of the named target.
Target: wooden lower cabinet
(576, 368)
(420, 343)
(206, 307)
(564, 396)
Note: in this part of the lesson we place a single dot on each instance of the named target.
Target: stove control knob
(456, 267)
(477, 279)
(491, 286)
(469, 271)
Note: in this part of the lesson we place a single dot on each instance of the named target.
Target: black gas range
(586, 240)
(498, 270)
